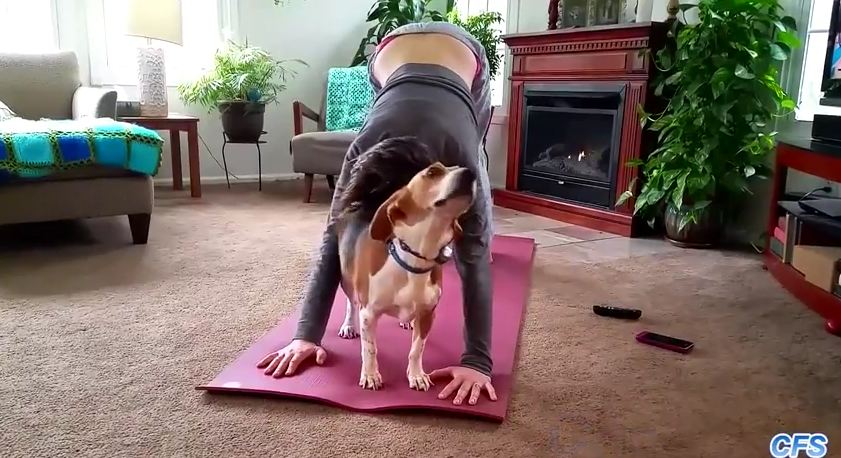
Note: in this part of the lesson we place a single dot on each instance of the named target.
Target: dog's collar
(444, 255)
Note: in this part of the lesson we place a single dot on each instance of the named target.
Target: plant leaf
(684, 220)
(778, 53)
(672, 78)
(701, 205)
(789, 39)
(749, 171)
(789, 22)
(624, 198)
(743, 72)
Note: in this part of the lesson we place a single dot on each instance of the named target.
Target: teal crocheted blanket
(349, 97)
(34, 149)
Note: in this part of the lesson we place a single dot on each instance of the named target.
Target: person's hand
(465, 381)
(286, 360)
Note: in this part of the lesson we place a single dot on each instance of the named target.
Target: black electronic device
(829, 207)
(827, 127)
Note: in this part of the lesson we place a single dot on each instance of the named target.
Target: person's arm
(327, 273)
(473, 264)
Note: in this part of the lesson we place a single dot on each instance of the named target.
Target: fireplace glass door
(570, 141)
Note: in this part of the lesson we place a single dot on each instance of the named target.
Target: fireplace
(573, 123)
(570, 142)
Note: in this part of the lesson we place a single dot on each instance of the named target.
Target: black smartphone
(667, 342)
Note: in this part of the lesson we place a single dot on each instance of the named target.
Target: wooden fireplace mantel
(614, 53)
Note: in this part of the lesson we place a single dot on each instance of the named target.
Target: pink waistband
(388, 39)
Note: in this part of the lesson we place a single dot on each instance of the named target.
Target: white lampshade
(155, 19)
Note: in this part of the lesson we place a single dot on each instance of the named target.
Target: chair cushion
(320, 153)
(349, 98)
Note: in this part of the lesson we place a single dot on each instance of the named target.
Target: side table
(175, 124)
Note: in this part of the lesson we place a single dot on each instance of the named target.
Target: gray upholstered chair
(48, 85)
(319, 152)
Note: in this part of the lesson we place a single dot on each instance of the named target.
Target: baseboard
(267, 177)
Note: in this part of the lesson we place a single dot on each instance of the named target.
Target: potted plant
(714, 136)
(243, 80)
(391, 14)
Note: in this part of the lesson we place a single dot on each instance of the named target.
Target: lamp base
(151, 82)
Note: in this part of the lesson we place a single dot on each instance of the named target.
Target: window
(113, 54)
(815, 53)
(470, 7)
(28, 26)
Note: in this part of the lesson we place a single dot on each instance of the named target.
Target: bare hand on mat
(286, 360)
(465, 381)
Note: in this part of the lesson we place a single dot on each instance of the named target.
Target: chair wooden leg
(331, 182)
(139, 224)
(307, 187)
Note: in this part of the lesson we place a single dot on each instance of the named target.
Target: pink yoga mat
(336, 382)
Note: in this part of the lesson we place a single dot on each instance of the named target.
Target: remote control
(617, 312)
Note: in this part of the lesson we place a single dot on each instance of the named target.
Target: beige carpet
(102, 343)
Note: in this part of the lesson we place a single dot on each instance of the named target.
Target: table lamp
(153, 20)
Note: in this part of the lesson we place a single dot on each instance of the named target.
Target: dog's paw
(371, 380)
(407, 325)
(348, 332)
(419, 381)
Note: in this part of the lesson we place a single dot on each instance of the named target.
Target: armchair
(320, 152)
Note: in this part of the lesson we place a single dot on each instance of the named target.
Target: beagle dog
(399, 217)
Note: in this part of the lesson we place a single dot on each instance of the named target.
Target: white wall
(323, 33)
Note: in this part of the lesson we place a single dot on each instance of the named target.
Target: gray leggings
(433, 104)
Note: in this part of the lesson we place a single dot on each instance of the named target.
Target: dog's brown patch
(399, 207)
(370, 258)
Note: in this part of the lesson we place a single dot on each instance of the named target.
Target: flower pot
(242, 121)
(704, 233)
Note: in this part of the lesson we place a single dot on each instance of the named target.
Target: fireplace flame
(581, 155)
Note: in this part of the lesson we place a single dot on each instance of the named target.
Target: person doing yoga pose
(431, 82)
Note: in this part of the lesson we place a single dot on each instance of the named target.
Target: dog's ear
(457, 230)
(382, 225)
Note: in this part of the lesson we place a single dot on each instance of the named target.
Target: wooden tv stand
(797, 151)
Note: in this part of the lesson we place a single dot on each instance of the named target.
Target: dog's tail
(381, 171)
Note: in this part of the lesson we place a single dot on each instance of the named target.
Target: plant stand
(226, 141)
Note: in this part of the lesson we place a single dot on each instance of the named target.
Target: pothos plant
(391, 14)
(715, 135)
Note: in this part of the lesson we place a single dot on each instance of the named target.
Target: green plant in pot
(715, 135)
(391, 14)
(243, 80)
